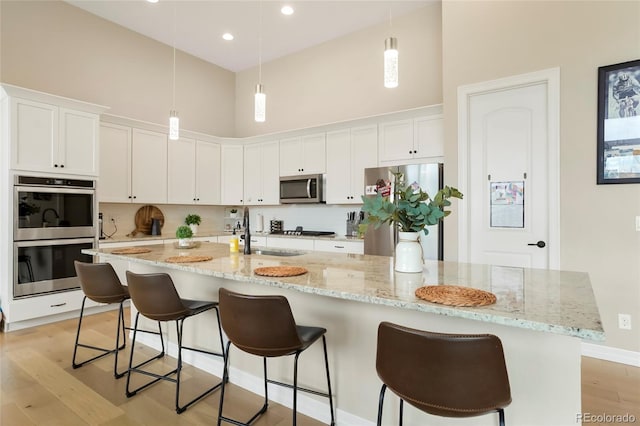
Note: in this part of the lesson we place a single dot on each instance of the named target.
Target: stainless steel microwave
(301, 189)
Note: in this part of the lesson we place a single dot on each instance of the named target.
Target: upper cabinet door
(396, 140)
(252, 174)
(207, 173)
(114, 185)
(338, 167)
(232, 171)
(149, 167)
(78, 142)
(314, 152)
(270, 173)
(35, 135)
(291, 157)
(181, 176)
(429, 137)
(364, 154)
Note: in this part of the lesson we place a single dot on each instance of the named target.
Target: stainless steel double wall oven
(54, 219)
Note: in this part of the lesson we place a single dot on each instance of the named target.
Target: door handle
(540, 244)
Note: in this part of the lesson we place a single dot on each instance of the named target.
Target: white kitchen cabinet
(354, 247)
(149, 167)
(114, 184)
(349, 152)
(411, 139)
(261, 174)
(50, 138)
(133, 165)
(193, 172)
(303, 155)
(290, 243)
(231, 177)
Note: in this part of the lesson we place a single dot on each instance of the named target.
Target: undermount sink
(278, 252)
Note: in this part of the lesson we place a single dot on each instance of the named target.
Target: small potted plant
(184, 234)
(193, 220)
(411, 211)
(233, 213)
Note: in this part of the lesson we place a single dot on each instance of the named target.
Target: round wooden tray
(280, 271)
(131, 250)
(143, 219)
(454, 295)
(187, 259)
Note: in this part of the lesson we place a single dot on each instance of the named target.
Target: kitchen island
(540, 316)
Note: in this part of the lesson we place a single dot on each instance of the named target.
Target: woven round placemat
(187, 259)
(280, 271)
(454, 295)
(131, 250)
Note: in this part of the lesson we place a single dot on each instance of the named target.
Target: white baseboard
(608, 353)
(311, 407)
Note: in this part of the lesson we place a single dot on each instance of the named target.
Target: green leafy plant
(193, 219)
(413, 210)
(183, 232)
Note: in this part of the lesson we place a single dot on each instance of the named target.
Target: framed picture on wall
(619, 123)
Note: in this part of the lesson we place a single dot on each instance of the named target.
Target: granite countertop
(559, 302)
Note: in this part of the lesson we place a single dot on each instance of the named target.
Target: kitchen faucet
(247, 233)
(45, 211)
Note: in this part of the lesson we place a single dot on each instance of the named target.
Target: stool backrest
(155, 296)
(449, 375)
(260, 325)
(100, 283)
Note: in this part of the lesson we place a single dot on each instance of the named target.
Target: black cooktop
(300, 232)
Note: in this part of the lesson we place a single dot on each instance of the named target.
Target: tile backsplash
(316, 217)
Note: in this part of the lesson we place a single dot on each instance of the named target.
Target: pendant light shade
(174, 125)
(260, 104)
(391, 62)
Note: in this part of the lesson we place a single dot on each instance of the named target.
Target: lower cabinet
(41, 306)
(290, 243)
(354, 247)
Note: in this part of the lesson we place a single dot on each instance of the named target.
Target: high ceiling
(199, 25)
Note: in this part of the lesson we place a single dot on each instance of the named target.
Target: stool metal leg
(326, 365)
(380, 404)
(501, 416)
(135, 368)
(401, 411)
(104, 351)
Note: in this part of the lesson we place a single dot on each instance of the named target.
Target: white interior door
(511, 177)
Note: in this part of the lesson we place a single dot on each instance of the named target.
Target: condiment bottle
(233, 243)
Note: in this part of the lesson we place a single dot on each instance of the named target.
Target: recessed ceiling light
(227, 36)
(152, 1)
(287, 10)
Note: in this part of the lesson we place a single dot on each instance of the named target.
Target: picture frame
(619, 123)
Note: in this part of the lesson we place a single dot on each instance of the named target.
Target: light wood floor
(39, 387)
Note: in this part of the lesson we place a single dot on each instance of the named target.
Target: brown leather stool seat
(100, 283)
(155, 297)
(449, 375)
(264, 326)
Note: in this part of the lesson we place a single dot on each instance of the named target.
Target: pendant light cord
(260, 45)
(174, 58)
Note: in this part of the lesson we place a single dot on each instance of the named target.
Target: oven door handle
(55, 242)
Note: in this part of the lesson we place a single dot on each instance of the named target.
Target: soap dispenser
(233, 242)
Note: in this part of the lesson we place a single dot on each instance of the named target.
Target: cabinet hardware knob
(341, 247)
(61, 165)
(134, 197)
(55, 165)
(58, 305)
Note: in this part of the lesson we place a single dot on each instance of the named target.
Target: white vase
(408, 253)
(194, 228)
(184, 242)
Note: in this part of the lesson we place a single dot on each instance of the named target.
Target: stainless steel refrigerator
(429, 177)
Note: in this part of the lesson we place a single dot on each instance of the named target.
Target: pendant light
(174, 120)
(260, 100)
(390, 59)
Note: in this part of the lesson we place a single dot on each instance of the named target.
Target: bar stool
(100, 283)
(156, 298)
(264, 326)
(448, 375)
